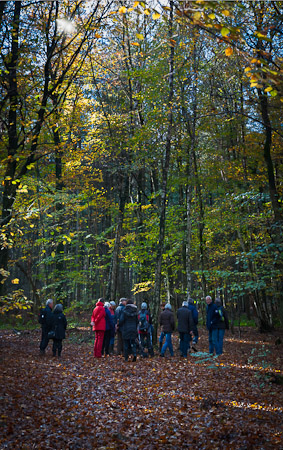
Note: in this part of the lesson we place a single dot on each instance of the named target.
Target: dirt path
(230, 402)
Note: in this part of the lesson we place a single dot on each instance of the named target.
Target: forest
(141, 154)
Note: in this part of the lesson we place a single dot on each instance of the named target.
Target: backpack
(219, 311)
(41, 316)
(143, 321)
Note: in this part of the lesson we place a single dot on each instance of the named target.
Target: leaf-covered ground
(233, 402)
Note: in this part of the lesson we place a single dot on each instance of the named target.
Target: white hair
(49, 301)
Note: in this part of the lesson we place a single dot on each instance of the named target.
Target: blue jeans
(211, 344)
(161, 337)
(217, 339)
(184, 343)
(168, 343)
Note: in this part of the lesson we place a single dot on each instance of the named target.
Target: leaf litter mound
(78, 402)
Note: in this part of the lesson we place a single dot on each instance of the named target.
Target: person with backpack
(219, 323)
(45, 320)
(59, 325)
(145, 330)
(99, 324)
(129, 322)
(209, 311)
(109, 329)
(194, 312)
(185, 328)
(167, 323)
(112, 339)
(118, 325)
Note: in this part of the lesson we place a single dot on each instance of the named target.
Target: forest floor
(78, 402)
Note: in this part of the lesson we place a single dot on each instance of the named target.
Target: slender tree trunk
(165, 172)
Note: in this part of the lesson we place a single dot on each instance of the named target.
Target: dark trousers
(57, 345)
(44, 339)
(119, 343)
(106, 342)
(146, 342)
(130, 346)
(184, 343)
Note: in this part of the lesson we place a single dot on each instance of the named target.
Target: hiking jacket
(185, 320)
(118, 312)
(129, 321)
(109, 320)
(98, 317)
(148, 318)
(219, 318)
(209, 311)
(48, 321)
(59, 324)
(167, 321)
(194, 312)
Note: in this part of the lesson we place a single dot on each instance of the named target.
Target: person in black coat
(185, 327)
(46, 325)
(59, 326)
(219, 323)
(129, 323)
(209, 311)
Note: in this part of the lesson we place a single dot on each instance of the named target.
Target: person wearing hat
(129, 321)
(112, 339)
(185, 328)
(219, 323)
(145, 330)
(118, 325)
(167, 323)
(109, 329)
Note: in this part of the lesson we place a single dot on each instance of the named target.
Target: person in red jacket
(99, 325)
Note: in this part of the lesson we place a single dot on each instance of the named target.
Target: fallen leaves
(81, 402)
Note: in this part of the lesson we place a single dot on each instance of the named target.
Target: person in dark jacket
(219, 323)
(59, 325)
(109, 329)
(167, 323)
(46, 325)
(209, 310)
(145, 330)
(185, 327)
(118, 325)
(129, 322)
(194, 312)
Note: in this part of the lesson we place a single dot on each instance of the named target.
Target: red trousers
(98, 342)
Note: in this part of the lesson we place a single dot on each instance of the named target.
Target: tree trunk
(165, 171)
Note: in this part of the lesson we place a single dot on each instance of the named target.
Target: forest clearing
(78, 402)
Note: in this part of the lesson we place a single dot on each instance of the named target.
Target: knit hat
(112, 303)
(168, 306)
(144, 305)
(107, 304)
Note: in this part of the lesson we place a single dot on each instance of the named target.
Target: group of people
(53, 326)
(133, 328)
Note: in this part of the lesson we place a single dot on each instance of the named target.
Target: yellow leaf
(53, 254)
(140, 37)
(136, 4)
(97, 35)
(197, 15)
(135, 43)
(155, 16)
(211, 16)
(122, 10)
(32, 225)
(225, 31)
(268, 89)
(15, 281)
(229, 51)
(253, 84)
(247, 69)
(226, 12)
(146, 12)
